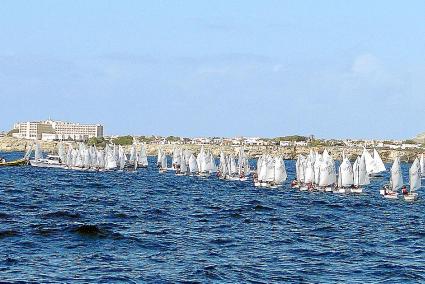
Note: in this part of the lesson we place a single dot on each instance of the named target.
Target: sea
(62, 226)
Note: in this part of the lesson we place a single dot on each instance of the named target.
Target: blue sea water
(121, 227)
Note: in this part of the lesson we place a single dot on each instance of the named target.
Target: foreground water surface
(69, 226)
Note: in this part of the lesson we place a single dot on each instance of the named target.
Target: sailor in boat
(2, 160)
(404, 190)
(385, 189)
(294, 183)
(242, 176)
(177, 167)
(310, 186)
(255, 177)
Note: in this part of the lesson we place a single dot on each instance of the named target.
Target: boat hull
(411, 197)
(342, 190)
(20, 162)
(46, 165)
(391, 196)
(356, 190)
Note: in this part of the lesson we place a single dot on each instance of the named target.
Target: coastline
(10, 144)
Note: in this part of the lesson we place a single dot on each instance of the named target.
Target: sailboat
(308, 181)
(327, 176)
(361, 177)
(374, 165)
(396, 182)
(18, 162)
(50, 161)
(142, 159)
(262, 172)
(193, 165)
(269, 177)
(415, 181)
(299, 168)
(182, 169)
(280, 174)
(345, 176)
(158, 158)
(163, 163)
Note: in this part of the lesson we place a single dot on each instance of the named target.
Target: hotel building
(57, 130)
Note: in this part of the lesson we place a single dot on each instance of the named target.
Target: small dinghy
(327, 175)
(345, 177)
(396, 182)
(163, 163)
(361, 178)
(415, 181)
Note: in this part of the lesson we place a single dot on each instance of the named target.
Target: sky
(334, 69)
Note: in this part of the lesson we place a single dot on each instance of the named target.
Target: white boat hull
(356, 190)
(391, 196)
(342, 190)
(411, 197)
(46, 165)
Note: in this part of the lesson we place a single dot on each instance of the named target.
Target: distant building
(2, 134)
(57, 130)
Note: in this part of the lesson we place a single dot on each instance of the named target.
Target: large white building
(57, 130)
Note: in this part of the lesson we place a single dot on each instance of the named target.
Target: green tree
(123, 140)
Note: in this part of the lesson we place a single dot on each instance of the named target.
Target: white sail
(183, 165)
(280, 175)
(79, 160)
(100, 159)
(263, 170)
(110, 161)
(300, 168)
(213, 165)
(396, 175)
(69, 157)
(164, 161)
(309, 172)
(370, 162)
(233, 168)
(270, 171)
(176, 158)
(362, 175)
(38, 154)
(379, 165)
(143, 158)
(325, 155)
(346, 175)
(317, 163)
(61, 152)
(415, 176)
(247, 169)
(201, 161)
(259, 163)
(193, 164)
(133, 154)
(326, 174)
(86, 158)
(122, 161)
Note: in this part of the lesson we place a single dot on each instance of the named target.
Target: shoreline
(9, 144)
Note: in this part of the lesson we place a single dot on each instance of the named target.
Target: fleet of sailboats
(314, 172)
(90, 158)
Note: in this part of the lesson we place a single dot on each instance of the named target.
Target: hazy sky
(217, 68)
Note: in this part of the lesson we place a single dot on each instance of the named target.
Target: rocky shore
(9, 144)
